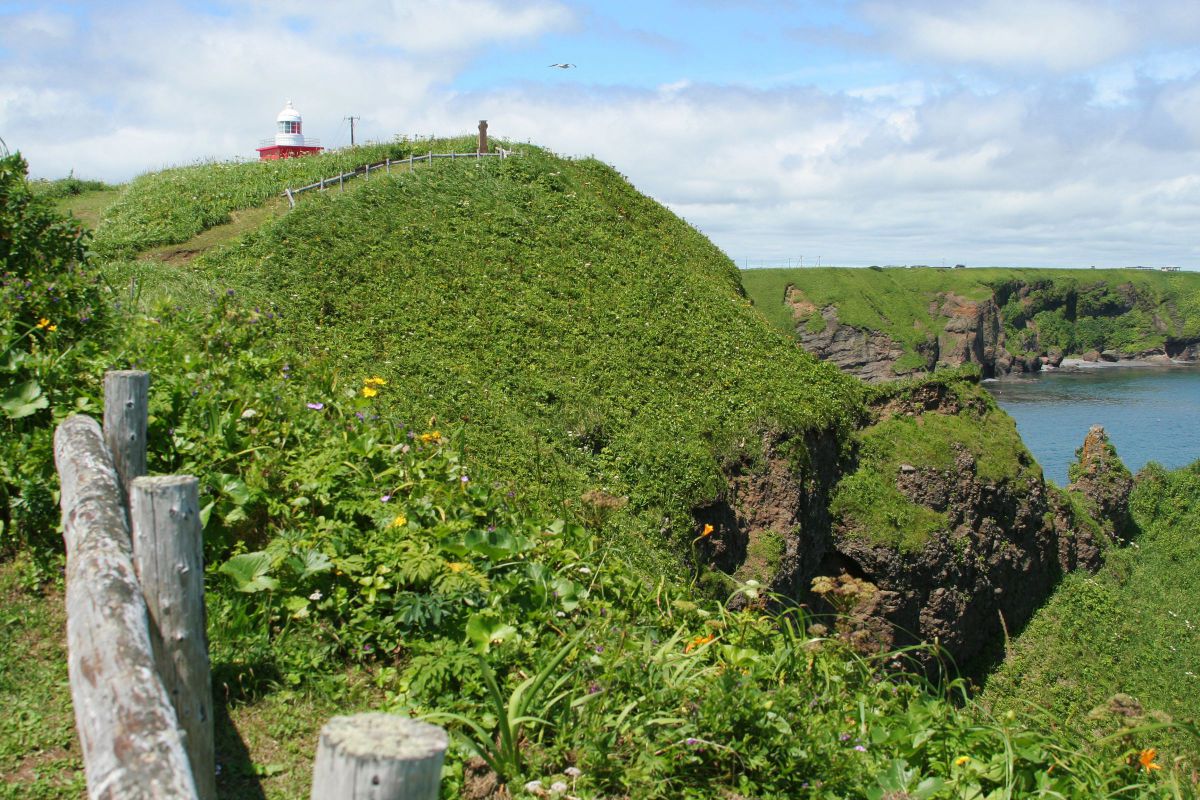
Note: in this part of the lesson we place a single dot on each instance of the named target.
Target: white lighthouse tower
(289, 141)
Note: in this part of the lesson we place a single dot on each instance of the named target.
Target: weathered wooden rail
(386, 165)
(137, 645)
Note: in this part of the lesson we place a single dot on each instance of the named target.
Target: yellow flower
(958, 762)
(399, 522)
(369, 392)
(376, 381)
(432, 436)
(1146, 759)
(51, 328)
(43, 323)
(456, 566)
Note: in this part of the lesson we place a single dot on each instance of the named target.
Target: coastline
(1079, 364)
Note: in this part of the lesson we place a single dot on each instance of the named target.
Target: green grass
(867, 501)
(1131, 629)
(573, 337)
(90, 206)
(583, 336)
(39, 752)
(174, 205)
(1073, 310)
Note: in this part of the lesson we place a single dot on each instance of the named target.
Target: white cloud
(1059, 170)
(1058, 36)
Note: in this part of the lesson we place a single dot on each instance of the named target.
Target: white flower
(315, 595)
(249, 413)
(572, 772)
(558, 787)
(585, 570)
(533, 786)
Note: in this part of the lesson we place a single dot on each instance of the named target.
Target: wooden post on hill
(168, 554)
(378, 757)
(127, 728)
(483, 142)
(126, 411)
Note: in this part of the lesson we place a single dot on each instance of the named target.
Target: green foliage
(174, 205)
(51, 318)
(1129, 630)
(584, 344)
(69, 186)
(868, 504)
(1041, 309)
(587, 338)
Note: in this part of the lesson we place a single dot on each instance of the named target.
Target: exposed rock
(870, 355)
(973, 334)
(1103, 481)
(1003, 548)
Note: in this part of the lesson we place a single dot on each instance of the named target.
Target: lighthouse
(289, 141)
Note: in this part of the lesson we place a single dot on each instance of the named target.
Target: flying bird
(563, 66)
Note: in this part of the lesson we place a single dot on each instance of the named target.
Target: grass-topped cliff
(1001, 318)
(457, 432)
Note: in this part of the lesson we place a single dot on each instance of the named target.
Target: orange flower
(1146, 759)
(708, 529)
(699, 641)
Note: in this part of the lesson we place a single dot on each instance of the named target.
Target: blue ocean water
(1150, 414)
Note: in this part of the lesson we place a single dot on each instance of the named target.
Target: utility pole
(352, 128)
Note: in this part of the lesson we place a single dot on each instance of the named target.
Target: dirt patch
(802, 307)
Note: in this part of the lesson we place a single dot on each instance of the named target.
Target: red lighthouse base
(278, 151)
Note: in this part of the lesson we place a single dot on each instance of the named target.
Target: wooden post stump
(128, 731)
(168, 554)
(126, 410)
(379, 757)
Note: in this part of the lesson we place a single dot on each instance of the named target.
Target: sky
(846, 132)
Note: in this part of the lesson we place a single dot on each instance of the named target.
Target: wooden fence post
(128, 731)
(126, 410)
(168, 554)
(387, 164)
(379, 757)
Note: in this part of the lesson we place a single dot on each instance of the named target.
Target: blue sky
(1019, 132)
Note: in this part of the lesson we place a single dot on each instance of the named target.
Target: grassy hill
(452, 430)
(1128, 632)
(582, 336)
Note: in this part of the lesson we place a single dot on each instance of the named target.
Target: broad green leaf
(249, 572)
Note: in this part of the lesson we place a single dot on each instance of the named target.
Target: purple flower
(691, 741)
(464, 479)
(860, 748)
(845, 737)
(599, 648)
(593, 688)
(316, 406)
(385, 498)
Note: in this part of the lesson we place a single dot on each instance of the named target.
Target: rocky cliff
(897, 326)
(954, 541)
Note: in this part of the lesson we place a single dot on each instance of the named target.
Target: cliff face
(1020, 326)
(870, 355)
(995, 537)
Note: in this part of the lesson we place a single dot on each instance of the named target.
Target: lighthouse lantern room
(289, 141)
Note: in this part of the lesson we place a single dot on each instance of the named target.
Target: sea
(1150, 413)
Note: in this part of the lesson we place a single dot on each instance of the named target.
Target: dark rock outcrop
(870, 355)
(1104, 483)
